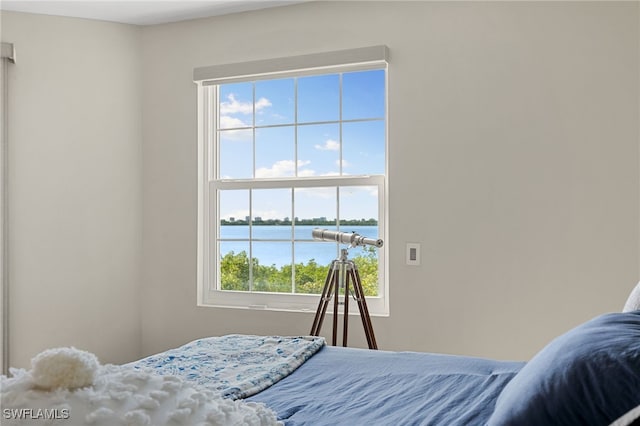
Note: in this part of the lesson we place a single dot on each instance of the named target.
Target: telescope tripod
(343, 273)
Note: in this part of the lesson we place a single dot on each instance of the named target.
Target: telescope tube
(352, 239)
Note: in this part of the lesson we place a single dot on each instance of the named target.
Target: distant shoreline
(300, 222)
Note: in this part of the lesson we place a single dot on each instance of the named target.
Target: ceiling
(140, 12)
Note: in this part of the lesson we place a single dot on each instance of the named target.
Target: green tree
(234, 271)
(270, 278)
(367, 263)
(309, 277)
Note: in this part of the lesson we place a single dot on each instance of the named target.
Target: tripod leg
(345, 312)
(336, 296)
(362, 306)
(322, 305)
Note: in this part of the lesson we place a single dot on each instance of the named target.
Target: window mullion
(340, 164)
(341, 161)
(295, 168)
(295, 126)
(212, 150)
(253, 141)
(293, 244)
(250, 240)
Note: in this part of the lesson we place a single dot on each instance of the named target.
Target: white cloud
(345, 163)
(227, 122)
(306, 173)
(315, 193)
(234, 106)
(329, 145)
(262, 103)
(286, 168)
(237, 135)
(282, 168)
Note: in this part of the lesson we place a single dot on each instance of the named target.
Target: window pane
(366, 260)
(314, 207)
(275, 148)
(304, 227)
(363, 95)
(359, 214)
(271, 229)
(270, 208)
(321, 252)
(236, 106)
(275, 102)
(234, 214)
(319, 98)
(236, 154)
(319, 150)
(312, 265)
(234, 266)
(272, 267)
(363, 150)
(359, 210)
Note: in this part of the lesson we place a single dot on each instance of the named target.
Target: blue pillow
(588, 376)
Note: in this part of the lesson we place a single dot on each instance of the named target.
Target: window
(281, 153)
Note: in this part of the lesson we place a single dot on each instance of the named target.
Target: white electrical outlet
(413, 254)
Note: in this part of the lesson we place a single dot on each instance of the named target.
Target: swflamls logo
(36, 413)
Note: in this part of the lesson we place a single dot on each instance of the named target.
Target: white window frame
(207, 80)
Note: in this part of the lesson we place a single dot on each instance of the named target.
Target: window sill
(353, 307)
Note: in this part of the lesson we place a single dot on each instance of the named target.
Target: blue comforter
(346, 386)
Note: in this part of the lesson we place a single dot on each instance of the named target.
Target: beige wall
(513, 155)
(513, 161)
(74, 186)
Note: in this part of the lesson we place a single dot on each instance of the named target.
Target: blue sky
(319, 144)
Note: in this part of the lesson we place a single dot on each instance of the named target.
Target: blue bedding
(587, 377)
(236, 365)
(347, 386)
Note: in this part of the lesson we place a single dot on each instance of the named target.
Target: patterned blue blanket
(236, 366)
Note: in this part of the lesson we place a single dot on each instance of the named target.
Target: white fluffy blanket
(68, 387)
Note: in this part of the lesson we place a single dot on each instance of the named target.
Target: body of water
(278, 250)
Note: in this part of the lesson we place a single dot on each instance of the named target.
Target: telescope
(352, 239)
(343, 274)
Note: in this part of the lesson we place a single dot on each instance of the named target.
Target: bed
(343, 386)
(588, 376)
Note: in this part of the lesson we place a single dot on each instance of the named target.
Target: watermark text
(35, 413)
